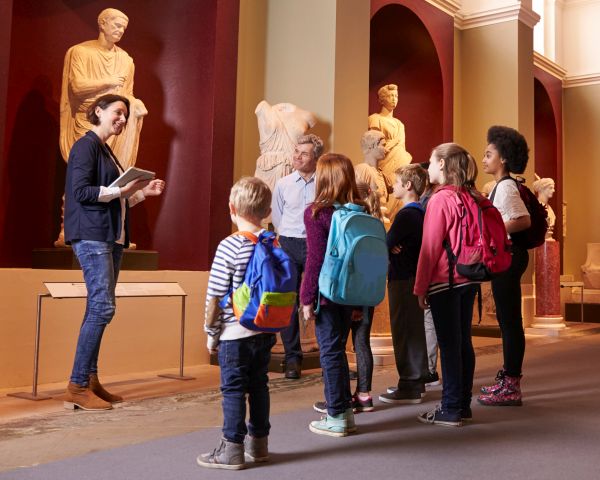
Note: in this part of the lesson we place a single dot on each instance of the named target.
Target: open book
(132, 173)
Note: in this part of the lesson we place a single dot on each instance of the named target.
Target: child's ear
(231, 209)
(408, 186)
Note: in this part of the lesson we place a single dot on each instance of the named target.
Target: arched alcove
(547, 152)
(402, 52)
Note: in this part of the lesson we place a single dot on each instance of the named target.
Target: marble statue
(396, 155)
(279, 126)
(372, 144)
(590, 270)
(92, 69)
(544, 189)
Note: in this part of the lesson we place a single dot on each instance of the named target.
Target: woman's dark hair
(511, 146)
(103, 102)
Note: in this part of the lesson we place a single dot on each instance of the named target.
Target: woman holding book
(96, 225)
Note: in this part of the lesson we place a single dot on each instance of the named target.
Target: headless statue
(279, 126)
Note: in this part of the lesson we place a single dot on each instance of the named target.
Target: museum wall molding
(482, 18)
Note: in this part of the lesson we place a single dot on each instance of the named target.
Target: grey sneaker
(437, 416)
(227, 455)
(401, 396)
(256, 449)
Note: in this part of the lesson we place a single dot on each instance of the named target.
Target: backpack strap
(254, 239)
(493, 194)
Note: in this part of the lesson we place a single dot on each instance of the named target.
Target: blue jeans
(244, 365)
(100, 262)
(452, 315)
(332, 326)
(290, 337)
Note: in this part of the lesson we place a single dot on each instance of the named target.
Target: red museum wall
(185, 54)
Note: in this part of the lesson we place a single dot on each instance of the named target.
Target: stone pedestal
(381, 334)
(547, 287)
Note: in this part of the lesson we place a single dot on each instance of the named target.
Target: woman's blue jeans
(100, 262)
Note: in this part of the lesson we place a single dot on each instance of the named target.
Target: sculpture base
(64, 259)
(277, 364)
(554, 322)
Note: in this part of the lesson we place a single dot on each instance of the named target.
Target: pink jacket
(442, 220)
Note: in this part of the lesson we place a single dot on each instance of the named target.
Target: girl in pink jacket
(451, 305)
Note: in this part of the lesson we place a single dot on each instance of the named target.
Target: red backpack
(535, 235)
(484, 250)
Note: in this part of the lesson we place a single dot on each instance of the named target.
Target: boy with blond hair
(406, 317)
(243, 354)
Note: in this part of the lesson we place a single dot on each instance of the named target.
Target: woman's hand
(154, 188)
(424, 302)
(133, 186)
(396, 250)
(308, 312)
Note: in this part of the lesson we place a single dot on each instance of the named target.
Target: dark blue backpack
(267, 297)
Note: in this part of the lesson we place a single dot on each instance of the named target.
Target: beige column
(314, 54)
(494, 84)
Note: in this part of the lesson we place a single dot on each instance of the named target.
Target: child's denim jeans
(244, 364)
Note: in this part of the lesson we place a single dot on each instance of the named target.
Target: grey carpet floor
(555, 435)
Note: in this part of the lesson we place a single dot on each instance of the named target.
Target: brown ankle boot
(99, 390)
(78, 396)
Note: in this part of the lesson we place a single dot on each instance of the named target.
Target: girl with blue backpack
(335, 184)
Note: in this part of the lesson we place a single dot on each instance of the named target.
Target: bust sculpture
(372, 144)
(544, 189)
(279, 126)
(396, 155)
(95, 68)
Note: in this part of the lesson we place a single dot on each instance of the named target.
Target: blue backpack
(267, 297)
(355, 267)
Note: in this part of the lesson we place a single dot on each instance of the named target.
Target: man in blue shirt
(292, 194)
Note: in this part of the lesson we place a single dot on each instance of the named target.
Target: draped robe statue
(92, 69)
(396, 155)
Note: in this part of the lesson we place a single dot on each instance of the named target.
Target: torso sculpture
(373, 147)
(395, 140)
(279, 127)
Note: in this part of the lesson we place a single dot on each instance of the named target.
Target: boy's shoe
(359, 405)
(227, 455)
(293, 371)
(420, 388)
(509, 395)
(439, 417)
(431, 379)
(335, 426)
(256, 449)
(487, 389)
(320, 407)
(466, 415)
(401, 396)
